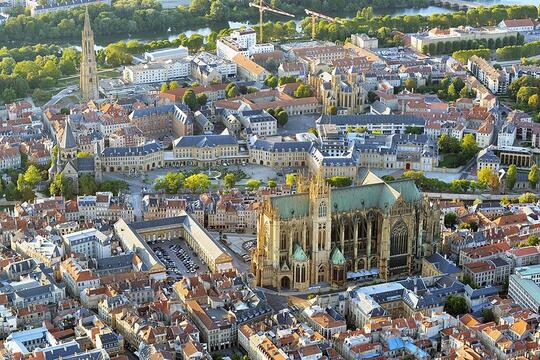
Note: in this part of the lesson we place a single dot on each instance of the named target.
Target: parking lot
(179, 259)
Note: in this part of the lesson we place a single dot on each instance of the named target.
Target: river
(426, 11)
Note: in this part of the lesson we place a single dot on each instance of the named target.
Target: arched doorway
(285, 282)
(408, 166)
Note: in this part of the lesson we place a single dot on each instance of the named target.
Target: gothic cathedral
(319, 235)
(89, 80)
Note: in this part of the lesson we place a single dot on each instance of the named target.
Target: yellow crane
(314, 15)
(262, 6)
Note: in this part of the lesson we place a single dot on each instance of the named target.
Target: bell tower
(89, 80)
(321, 217)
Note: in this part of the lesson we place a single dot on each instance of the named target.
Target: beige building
(204, 150)
(135, 235)
(320, 234)
(132, 159)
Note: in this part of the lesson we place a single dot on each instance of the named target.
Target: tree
(199, 7)
(468, 280)
(173, 85)
(487, 315)
(229, 180)
(164, 87)
(511, 177)
(25, 191)
(62, 186)
(272, 184)
(489, 178)
(527, 198)
(233, 92)
(303, 91)
(450, 219)
(32, 176)
(332, 110)
(271, 81)
(468, 145)
(410, 84)
(197, 182)
(11, 192)
(533, 176)
(532, 240)
(313, 131)
(171, 183)
(339, 181)
(202, 99)
(282, 118)
(456, 305)
(533, 102)
(290, 179)
(190, 100)
(87, 185)
(253, 184)
(114, 186)
(448, 144)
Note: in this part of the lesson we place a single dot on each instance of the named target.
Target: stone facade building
(320, 234)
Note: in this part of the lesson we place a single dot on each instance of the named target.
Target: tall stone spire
(89, 81)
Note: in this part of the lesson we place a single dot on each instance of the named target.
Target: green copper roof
(378, 196)
(336, 257)
(290, 206)
(298, 253)
(368, 196)
(407, 188)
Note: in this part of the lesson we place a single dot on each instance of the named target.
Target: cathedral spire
(88, 82)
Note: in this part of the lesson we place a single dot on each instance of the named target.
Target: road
(135, 191)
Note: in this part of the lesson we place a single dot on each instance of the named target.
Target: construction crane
(262, 6)
(314, 15)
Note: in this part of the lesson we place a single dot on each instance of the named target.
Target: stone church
(70, 165)
(320, 234)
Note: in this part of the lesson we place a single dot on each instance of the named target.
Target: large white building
(156, 72)
(166, 54)
(241, 41)
(524, 287)
(91, 242)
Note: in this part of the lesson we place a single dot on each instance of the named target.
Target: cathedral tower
(89, 81)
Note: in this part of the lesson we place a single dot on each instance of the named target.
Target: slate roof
(364, 119)
(132, 151)
(68, 140)
(157, 110)
(444, 265)
(201, 141)
(281, 146)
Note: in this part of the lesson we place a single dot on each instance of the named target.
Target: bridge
(456, 4)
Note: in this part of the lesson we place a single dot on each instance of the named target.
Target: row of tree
(518, 51)
(173, 182)
(448, 47)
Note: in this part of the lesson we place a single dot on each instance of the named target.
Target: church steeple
(89, 81)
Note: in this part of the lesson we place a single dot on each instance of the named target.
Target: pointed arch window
(322, 209)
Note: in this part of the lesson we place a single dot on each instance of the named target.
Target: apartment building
(495, 80)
